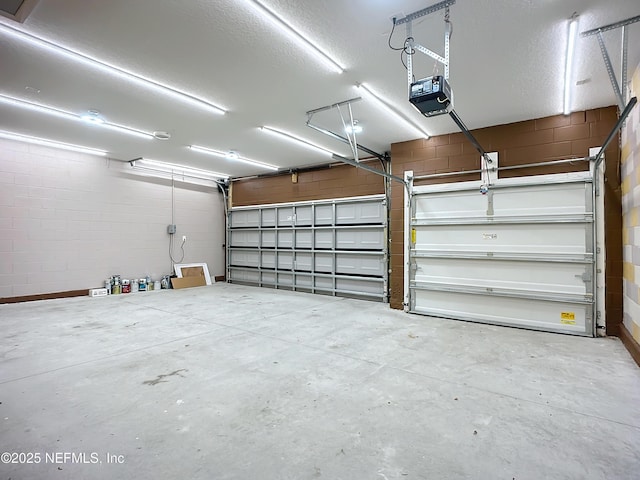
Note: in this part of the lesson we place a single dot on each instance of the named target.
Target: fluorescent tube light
(391, 111)
(228, 156)
(300, 38)
(112, 69)
(292, 138)
(92, 116)
(18, 102)
(572, 34)
(51, 143)
(175, 169)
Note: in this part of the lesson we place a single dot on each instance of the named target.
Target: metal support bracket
(620, 91)
(412, 46)
(610, 72)
(425, 11)
(611, 26)
(352, 142)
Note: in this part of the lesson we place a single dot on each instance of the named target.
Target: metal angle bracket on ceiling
(350, 129)
(351, 140)
(413, 46)
(620, 90)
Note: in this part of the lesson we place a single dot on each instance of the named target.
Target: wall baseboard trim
(46, 296)
(67, 294)
(630, 343)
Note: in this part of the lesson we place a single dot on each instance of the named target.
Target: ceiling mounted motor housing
(431, 96)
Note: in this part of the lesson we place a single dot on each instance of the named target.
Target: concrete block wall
(68, 221)
(531, 141)
(631, 219)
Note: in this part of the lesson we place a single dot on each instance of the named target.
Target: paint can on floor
(126, 286)
(134, 285)
(116, 286)
(157, 285)
(142, 285)
(107, 285)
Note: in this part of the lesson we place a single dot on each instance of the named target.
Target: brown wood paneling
(334, 182)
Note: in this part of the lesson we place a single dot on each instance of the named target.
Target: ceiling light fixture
(572, 34)
(292, 138)
(161, 135)
(385, 106)
(175, 169)
(92, 116)
(86, 117)
(51, 143)
(355, 128)
(95, 63)
(300, 38)
(230, 156)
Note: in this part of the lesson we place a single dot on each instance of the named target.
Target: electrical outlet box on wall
(171, 229)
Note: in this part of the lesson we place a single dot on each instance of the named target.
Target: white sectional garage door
(334, 247)
(522, 255)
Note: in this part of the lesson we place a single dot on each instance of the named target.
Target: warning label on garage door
(568, 318)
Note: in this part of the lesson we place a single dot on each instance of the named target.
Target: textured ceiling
(507, 64)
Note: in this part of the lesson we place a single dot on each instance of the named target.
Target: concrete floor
(231, 382)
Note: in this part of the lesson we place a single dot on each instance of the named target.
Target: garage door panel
(334, 247)
(243, 276)
(538, 276)
(360, 213)
(441, 206)
(268, 259)
(358, 286)
(360, 264)
(304, 215)
(285, 238)
(551, 238)
(247, 258)
(521, 255)
(323, 215)
(268, 217)
(536, 314)
(244, 238)
(542, 200)
(304, 262)
(360, 239)
(268, 238)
